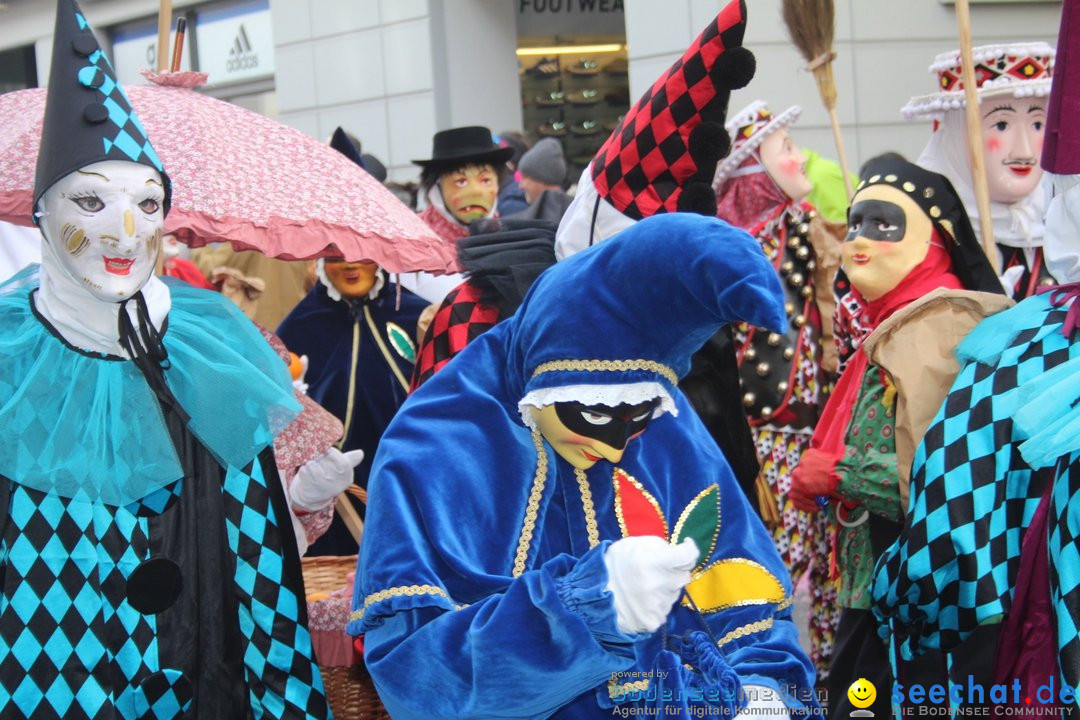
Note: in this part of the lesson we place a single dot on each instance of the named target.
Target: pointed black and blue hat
(88, 116)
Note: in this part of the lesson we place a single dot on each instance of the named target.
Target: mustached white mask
(103, 230)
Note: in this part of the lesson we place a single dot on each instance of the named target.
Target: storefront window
(573, 71)
(18, 69)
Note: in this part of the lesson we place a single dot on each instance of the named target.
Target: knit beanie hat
(544, 162)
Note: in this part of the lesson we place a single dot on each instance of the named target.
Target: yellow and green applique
(715, 586)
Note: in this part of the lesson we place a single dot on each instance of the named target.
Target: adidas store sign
(236, 42)
(240, 56)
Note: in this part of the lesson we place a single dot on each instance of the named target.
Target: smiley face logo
(862, 693)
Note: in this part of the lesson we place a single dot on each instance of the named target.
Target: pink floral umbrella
(241, 177)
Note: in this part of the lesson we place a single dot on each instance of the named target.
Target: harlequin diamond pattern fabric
(460, 319)
(88, 116)
(1064, 545)
(127, 134)
(972, 494)
(642, 166)
(68, 600)
(273, 619)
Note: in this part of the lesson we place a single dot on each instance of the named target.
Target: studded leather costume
(784, 382)
(781, 375)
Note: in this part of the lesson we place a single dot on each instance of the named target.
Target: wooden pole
(974, 127)
(353, 523)
(823, 74)
(164, 24)
(841, 155)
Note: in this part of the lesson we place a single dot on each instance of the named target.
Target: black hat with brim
(465, 145)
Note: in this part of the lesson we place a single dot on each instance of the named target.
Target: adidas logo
(240, 55)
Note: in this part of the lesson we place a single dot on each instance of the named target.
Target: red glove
(815, 476)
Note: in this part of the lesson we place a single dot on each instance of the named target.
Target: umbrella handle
(178, 44)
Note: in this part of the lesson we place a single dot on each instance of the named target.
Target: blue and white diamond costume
(147, 565)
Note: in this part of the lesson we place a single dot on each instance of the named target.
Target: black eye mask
(612, 426)
(867, 217)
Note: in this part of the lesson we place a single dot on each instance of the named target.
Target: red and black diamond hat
(662, 156)
(1061, 144)
(1016, 69)
(88, 117)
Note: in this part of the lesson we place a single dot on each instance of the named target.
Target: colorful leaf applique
(700, 521)
(732, 582)
(637, 511)
(401, 342)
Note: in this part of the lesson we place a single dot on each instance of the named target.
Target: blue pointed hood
(641, 304)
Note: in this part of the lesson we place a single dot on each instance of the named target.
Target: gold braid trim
(533, 508)
(590, 509)
(745, 630)
(609, 366)
(404, 590)
(616, 691)
(390, 361)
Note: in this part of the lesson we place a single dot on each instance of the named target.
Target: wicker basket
(349, 690)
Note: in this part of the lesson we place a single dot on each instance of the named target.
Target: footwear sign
(569, 17)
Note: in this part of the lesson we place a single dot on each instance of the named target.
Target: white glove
(319, 481)
(1010, 277)
(298, 383)
(646, 575)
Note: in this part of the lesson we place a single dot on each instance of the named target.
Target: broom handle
(822, 69)
(971, 112)
(164, 24)
(840, 152)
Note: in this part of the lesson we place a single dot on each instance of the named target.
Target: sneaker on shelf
(584, 97)
(584, 66)
(617, 66)
(545, 67)
(555, 97)
(586, 127)
(552, 128)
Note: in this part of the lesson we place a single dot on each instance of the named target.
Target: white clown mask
(103, 224)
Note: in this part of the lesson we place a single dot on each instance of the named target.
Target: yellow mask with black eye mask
(583, 435)
(888, 237)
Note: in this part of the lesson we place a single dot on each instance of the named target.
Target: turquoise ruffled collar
(80, 425)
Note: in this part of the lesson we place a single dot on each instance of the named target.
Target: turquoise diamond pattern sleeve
(282, 677)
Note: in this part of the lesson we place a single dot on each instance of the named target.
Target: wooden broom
(811, 24)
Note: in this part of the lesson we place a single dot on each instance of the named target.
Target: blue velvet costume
(481, 582)
(143, 569)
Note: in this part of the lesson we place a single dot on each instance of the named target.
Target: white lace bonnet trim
(610, 395)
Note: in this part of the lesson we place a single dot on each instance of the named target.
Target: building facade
(393, 72)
